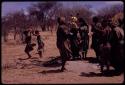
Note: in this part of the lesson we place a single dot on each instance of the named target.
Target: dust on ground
(32, 71)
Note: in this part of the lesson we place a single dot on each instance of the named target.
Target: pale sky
(8, 7)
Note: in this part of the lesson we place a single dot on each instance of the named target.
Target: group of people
(29, 44)
(73, 41)
(107, 41)
(72, 38)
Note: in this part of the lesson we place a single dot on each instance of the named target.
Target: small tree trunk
(15, 33)
(15, 36)
(22, 38)
(51, 29)
(42, 27)
(5, 36)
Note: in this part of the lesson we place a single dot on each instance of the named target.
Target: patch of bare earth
(32, 71)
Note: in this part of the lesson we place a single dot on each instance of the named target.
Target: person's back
(96, 29)
(61, 36)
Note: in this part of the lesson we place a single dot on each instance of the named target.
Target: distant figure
(62, 41)
(40, 43)
(84, 44)
(29, 46)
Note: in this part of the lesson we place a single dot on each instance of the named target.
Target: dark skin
(29, 56)
(95, 31)
(84, 53)
(39, 52)
(27, 52)
(62, 33)
(28, 42)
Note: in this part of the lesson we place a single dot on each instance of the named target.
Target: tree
(109, 12)
(5, 28)
(19, 23)
(83, 11)
(44, 12)
(14, 21)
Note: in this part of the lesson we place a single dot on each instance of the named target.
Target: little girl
(40, 43)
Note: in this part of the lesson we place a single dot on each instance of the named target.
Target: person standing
(62, 36)
(74, 38)
(117, 50)
(105, 46)
(97, 30)
(83, 30)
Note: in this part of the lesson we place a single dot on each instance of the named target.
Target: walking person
(29, 46)
(62, 41)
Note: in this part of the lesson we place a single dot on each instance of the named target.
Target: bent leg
(40, 53)
(29, 56)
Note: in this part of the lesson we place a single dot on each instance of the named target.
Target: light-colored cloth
(119, 32)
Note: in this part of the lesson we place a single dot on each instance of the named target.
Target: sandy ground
(32, 71)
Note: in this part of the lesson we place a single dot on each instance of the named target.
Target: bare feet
(62, 69)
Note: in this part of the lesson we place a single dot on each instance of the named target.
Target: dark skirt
(117, 56)
(84, 44)
(74, 48)
(105, 53)
(28, 48)
(40, 46)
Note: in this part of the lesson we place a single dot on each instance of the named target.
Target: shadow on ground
(91, 59)
(53, 62)
(109, 73)
(50, 71)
